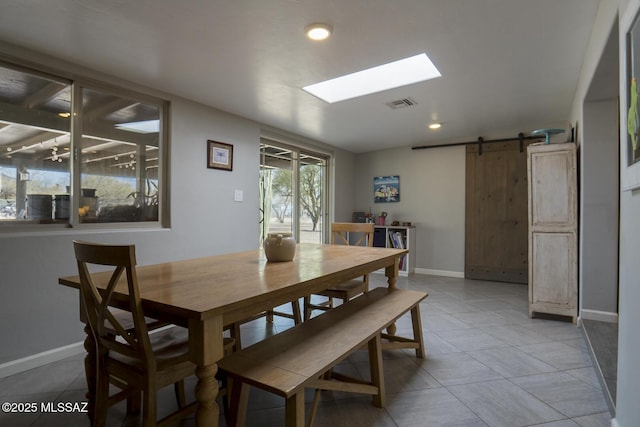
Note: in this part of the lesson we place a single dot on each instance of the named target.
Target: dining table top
(236, 284)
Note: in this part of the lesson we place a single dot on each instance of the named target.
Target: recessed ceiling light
(318, 31)
(435, 126)
(388, 76)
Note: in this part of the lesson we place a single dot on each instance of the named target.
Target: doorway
(293, 192)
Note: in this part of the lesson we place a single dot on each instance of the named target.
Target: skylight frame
(376, 79)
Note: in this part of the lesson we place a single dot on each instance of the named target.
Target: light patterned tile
(559, 355)
(564, 393)
(516, 334)
(458, 368)
(471, 339)
(511, 362)
(352, 413)
(503, 404)
(435, 407)
(603, 419)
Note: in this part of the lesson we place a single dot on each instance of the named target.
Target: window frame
(77, 83)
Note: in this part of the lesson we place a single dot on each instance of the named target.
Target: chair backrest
(108, 330)
(352, 233)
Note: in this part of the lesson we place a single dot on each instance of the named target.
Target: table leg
(206, 393)
(206, 347)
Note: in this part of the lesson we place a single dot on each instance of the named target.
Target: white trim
(40, 359)
(614, 423)
(445, 273)
(601, 316)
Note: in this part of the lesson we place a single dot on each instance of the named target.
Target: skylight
(388, 76)
(146, 126)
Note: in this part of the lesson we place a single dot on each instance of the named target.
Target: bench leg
(238, 404)
(377, 371)
(416, 321)
(294, 410)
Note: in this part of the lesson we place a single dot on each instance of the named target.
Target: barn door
(496, 212)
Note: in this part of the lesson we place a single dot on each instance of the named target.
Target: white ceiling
(507, 66)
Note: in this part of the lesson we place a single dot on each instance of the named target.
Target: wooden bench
(302, 357)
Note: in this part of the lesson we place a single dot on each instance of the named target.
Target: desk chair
(350, 234)
(128, 357)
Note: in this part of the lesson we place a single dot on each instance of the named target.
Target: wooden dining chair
(350, 234)
(127, 356)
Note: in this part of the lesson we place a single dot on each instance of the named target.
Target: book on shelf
(396, 238)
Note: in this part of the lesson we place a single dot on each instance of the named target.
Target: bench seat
(287, 363)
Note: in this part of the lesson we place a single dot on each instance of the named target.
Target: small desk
(206, 293)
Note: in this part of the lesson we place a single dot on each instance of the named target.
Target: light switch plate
(238, 195)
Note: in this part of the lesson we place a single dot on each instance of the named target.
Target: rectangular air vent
(401, 103)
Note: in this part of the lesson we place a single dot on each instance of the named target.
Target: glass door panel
(292, 192)
(276, 191)
(312, 206)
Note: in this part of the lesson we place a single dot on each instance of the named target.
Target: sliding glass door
(293, 192)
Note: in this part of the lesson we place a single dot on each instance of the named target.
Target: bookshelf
(389, 236)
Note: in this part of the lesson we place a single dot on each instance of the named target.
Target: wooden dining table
(204, 294)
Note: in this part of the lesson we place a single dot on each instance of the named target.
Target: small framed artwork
(386, 189)
(630, 120)
(219, 155)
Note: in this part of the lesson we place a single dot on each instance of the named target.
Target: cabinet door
(553, 190)
(553, 272)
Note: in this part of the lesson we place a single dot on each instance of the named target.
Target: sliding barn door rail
(480, 141)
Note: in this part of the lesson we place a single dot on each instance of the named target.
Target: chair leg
(134, 403)
(101, 397)
(234, 332)
(307, 308)
(180, 396)
(297, 316)
(149, 412)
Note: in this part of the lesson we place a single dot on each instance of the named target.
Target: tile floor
(487, 364)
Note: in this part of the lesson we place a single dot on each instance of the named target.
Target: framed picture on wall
(386, 189)
(219, 155)
(629, 104)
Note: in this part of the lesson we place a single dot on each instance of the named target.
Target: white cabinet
(389, 236)
(553, 245)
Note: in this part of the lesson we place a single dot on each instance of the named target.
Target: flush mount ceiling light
(434, 126)
(318, 31)
(388, 76)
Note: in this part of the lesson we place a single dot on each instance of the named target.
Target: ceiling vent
(401, 103)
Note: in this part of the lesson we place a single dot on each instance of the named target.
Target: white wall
(599, 208)
(628, 386)
(432, 189)
(38, 315)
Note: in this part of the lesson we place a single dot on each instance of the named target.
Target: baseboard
(40, 359)
(445, 273)
(600, 316)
